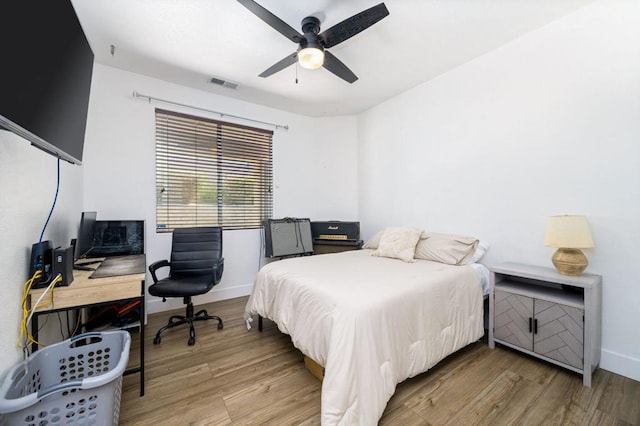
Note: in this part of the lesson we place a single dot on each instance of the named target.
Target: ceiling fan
(312, 43)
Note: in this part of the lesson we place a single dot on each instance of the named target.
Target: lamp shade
(568, 231)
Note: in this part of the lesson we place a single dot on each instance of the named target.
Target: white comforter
(372, 322)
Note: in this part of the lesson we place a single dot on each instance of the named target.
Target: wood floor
(238, 377)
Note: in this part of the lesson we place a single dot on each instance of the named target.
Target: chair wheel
(191, 341)
(156, 340)
(220, 326)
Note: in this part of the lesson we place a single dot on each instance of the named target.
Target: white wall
(548, 124)
(315, 173)
(27, 188)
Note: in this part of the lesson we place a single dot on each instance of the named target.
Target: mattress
(372, 322)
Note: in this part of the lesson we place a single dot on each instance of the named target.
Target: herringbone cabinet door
(560, 332)
(512, 314)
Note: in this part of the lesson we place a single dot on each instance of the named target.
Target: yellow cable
(26, 338)
(50, 287)
(78, 321)
(25, 310)
(25, 313)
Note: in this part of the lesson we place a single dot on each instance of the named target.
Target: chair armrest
(218, 268)
(155, 266)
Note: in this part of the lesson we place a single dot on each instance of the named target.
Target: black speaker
(335, 230)
(63, 264)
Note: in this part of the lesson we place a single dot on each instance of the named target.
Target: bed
(371, 321)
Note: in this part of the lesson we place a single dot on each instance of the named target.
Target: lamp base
(570, 261)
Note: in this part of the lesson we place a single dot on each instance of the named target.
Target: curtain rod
(221, 114)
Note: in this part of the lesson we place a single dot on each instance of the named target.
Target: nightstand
(554, 317)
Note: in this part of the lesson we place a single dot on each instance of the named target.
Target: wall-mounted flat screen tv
(45, 77)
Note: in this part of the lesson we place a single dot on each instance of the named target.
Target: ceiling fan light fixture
(312, 43)
(311, 58)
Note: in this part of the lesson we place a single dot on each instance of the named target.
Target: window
(211, 173)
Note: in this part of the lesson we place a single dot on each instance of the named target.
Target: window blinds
(211, 173)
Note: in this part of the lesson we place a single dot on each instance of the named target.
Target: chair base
(189, 318)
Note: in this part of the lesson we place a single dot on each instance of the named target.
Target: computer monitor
(118, 238)
(84, 242)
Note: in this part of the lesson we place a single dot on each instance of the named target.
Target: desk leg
(34, 331)
(142, 313)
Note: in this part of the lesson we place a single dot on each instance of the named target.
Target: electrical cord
(296, 232)
(55, 199)
(299, 235)
(25, 338)
(69, 331)
(77, 327)
(50, 287)
(62, 336)
(66, 313)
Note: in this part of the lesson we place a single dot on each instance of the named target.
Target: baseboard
(155, 304)
(620, 364)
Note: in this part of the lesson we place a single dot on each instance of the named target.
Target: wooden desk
(85, 292)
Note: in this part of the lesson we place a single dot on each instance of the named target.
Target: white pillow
(398, 243)
(374, 242)
(477, 255)
(447, 248)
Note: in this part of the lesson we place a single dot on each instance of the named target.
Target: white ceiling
(189, 41)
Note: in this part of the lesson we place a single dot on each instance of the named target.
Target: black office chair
(196, 266)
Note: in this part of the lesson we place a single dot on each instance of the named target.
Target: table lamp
(569, 233)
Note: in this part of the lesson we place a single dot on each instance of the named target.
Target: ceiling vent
(223, 83)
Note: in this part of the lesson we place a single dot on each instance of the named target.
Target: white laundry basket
(74, 382)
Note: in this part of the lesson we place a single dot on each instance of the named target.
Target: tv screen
(45, 77)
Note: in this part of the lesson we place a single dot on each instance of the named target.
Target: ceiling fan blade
(273, 21)
(280, 65)
(335, 65)
(352, 26)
